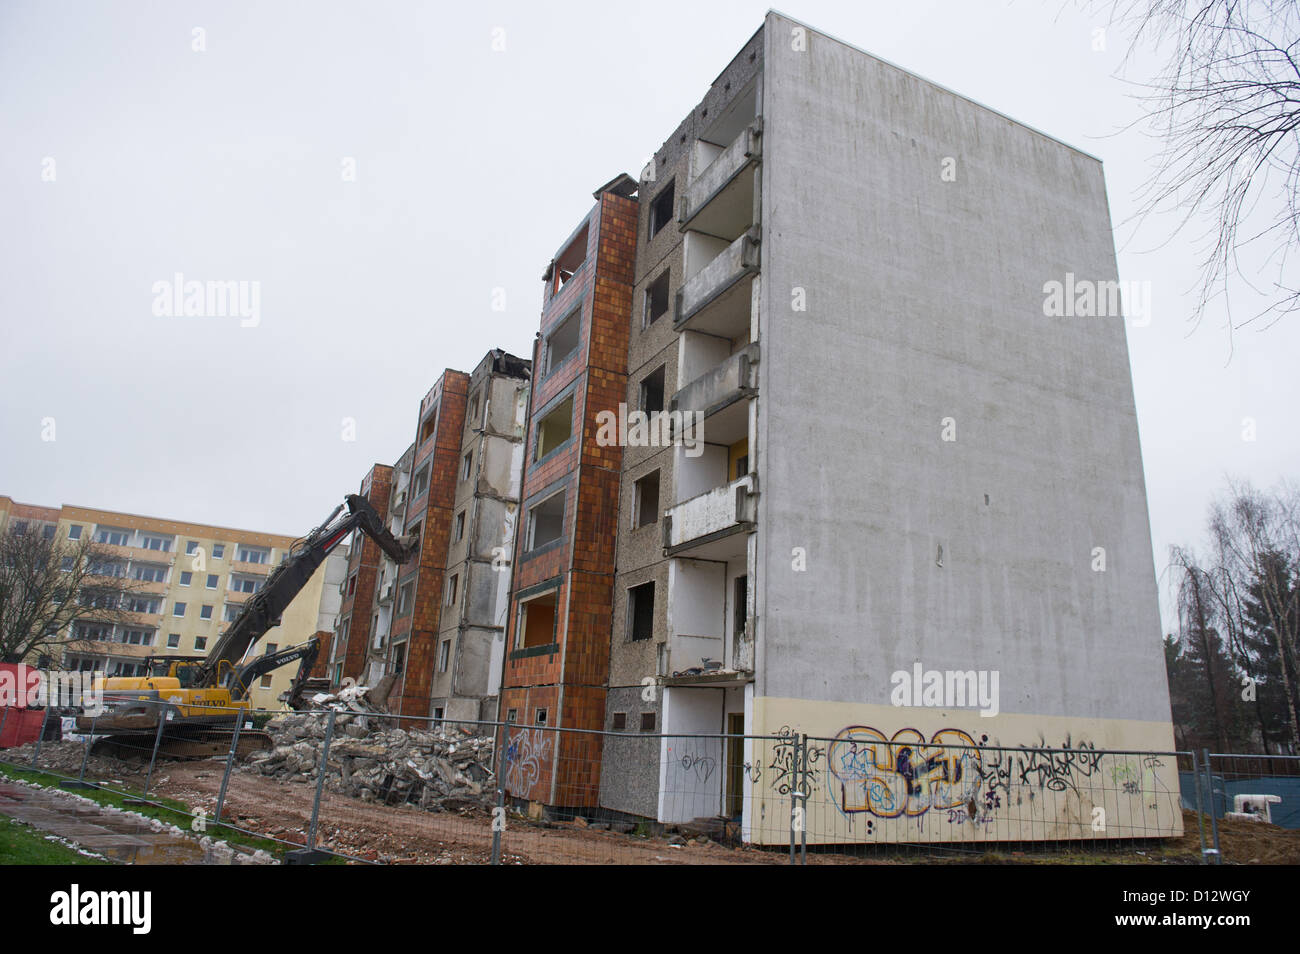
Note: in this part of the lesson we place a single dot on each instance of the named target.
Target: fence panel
(1255, 806)
(579, 796)
(951, 797)
(370, 786)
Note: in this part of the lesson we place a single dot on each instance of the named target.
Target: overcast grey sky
(472, 164)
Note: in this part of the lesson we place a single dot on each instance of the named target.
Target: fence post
(153, 759)
(498, 822)
(4, 717)
(1215, 856)
(45, 717)
(85, 757)
(794, 793)
(805, 790)
(1200, 816)
(320, 779)
(230, 762)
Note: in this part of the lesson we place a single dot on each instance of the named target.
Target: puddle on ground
(105, 833)
(174, 851)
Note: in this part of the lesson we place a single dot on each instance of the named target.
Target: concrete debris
(64, 758)
(442, 769)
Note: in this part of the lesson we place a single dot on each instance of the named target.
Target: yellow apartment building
(191, 582)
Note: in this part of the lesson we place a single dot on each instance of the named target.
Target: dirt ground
(1243, 842)
(376, 832)
(408, 835)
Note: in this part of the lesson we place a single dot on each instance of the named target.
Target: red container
(20, 726)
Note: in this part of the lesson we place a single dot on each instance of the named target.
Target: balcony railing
(720, 189)
(714, 299)
(730, 380)
(703, 522)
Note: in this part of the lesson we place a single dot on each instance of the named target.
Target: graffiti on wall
(701, 765)
(904, 774)
(1074, 764)
(525, 754)
(783, 764)
(908, 775)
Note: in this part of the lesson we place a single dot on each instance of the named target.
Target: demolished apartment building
(436, 624)
(882, 454)
(806, 279)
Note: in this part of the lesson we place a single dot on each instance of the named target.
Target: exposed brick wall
(574, 676)
(364, 563)
(433, 510)
(320, 668)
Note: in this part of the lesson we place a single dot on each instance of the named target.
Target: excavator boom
(195, 698)
(265, 607)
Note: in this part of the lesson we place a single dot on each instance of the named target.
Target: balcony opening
(570, 260)
(738, 460)
(429, 425)
(546, 521)
(739, 599)
(645, 503)
(554, 429)
(656, 300)
(661, 209)
(563, 341)
(641, 611)
(652, 391)
(537, 622)
(731, 120)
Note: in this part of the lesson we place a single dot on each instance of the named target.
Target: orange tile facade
(432, 511)
(569, 678)
(363, 566)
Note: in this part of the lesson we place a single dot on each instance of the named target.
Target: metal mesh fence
(948, 797)
(1244, 796)
(364, 786)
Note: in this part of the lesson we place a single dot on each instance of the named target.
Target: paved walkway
(119, 837)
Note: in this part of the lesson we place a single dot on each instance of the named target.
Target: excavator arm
(265, 607)
(261, 665)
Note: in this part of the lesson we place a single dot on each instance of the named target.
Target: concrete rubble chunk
(447, 768)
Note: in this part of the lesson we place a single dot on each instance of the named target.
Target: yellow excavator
(200, 700)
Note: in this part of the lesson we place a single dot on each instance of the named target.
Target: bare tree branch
(48, 586)
(1226, 106)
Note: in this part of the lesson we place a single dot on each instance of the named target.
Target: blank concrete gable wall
(925, 301)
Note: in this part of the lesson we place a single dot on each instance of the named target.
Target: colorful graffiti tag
(903, 774)
(908, 775)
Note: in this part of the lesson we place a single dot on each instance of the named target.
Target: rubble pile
(439, 769)
(64, 758)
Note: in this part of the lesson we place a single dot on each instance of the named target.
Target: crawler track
(184, 745)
